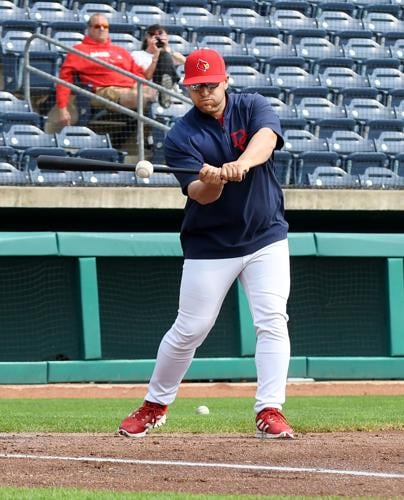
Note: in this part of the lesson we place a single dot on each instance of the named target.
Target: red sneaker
(140, 421)
(271, 424)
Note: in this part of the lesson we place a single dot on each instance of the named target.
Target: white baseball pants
(265, 277)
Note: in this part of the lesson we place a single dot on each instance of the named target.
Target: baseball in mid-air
(202, 410)
(144, 169)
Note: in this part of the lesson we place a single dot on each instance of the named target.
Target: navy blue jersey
(249, 214)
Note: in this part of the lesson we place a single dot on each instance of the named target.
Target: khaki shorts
(124, 96)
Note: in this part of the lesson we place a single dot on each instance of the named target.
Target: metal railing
(139, 115)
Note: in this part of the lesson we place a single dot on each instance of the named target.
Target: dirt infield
(318, 464)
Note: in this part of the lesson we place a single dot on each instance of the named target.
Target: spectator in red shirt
(105, 82)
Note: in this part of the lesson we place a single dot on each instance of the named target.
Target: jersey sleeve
(263, 116)
(179, 154)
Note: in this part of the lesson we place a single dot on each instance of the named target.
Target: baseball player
(233, 227)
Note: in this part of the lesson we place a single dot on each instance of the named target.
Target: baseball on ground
(144, 169)
(202, 410)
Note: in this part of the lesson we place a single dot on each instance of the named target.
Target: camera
(159, 43)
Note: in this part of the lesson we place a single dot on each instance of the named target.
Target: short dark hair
(150, 31)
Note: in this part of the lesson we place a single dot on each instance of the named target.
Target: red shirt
(92, 73)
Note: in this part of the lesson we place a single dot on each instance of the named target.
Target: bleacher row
(334, 73)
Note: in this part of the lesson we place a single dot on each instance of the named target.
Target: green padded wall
(39, 315)
(338, 307)
(139, 301)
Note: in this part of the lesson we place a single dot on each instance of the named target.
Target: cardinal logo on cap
(202, 65)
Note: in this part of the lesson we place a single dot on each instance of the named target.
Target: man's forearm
(204, 193)
(260, 147)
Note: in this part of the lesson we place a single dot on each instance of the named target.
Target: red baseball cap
(204, 66)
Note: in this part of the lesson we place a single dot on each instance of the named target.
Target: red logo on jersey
(202, 65)
(239, 139)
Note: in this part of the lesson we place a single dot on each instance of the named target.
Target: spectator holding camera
(158, 60)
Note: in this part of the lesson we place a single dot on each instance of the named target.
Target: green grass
(70, 493)
(227, 415)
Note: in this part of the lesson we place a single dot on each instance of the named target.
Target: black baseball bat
(47, 162)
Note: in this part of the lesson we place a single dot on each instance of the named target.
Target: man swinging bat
(233, 228)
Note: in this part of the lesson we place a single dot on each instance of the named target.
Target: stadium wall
(92, 306)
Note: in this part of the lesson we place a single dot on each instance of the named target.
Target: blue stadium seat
(113, 178)
(397, 48)
(308, 161)
(386, 80)
(336, 21)
(399, 110)
(55, 178)
(10, 175)
(168, 115)
(381, 178)
(315, 48)
(179, 44)
(283, 162)
(296, 94)
(390, 143)
(240, 77)
(366, 110)
(288, 21)
(220, 6)
(263, 48)
(8, 154)
(357, 163)
(331, 177)
(67, 38)
(362, 49)
(191, 18)
(289, 77)
(284, 111)
(299, 5)
(232, 52)
(126, 40)
(13, 44)
(345, 142)
(340, 78)
(158, 180)
(30, 142)
(325, 127)
(377, 126)
(239, 19)
(298, 141)
(313, 109)
(15, 110)
(52, 16)
(398, 164)
(13, 17)
(382, 22)
(85, 143)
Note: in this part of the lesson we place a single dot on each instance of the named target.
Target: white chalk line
(179, 463)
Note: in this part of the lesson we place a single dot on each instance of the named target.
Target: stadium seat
(10, 175)
(380, 177)
(398, 164)
(326, 126)
(298, 141)
(52, 16)
(8, 154)
(284, 111)
(13, 17)
(336, 21)
(283, 162)
(158, 180)
(168, 115)
(365, 110)
(113, 178)
(85, 143)
(315, 48)
(296, 94)
(238, 19)
(363, 49)
(13, 44)
(390, 143)
(180, 44)
(382, 22)
(240, 77)
(288, 21)
(192, 18)
(399, 110)
(299, 5)
(339, 78)
(54, 177)
(377, 126)
(126, 40)
(331, 177)
(289, 77)
(313, 109)
(357, 163)
(67, 38)
(30, 142)
(263, 48)
(175, 5)
(15, 110)
(345, 142)
(232, 52)
(397, 48)
(308, 161)
(386, 80)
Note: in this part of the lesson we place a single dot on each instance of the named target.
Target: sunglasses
(99, 26)
(199, 86)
